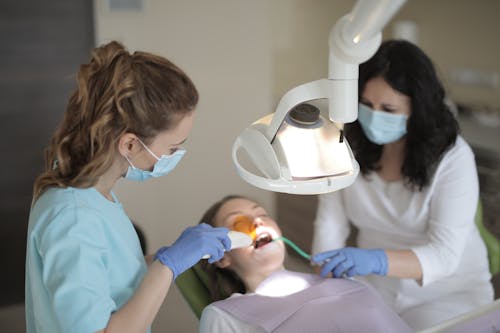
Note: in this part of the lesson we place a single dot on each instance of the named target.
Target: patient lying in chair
(253, 292)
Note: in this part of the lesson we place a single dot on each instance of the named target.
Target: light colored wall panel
(224, 46)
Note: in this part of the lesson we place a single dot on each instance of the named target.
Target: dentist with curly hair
(85, 271)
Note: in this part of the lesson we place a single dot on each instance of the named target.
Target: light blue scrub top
(83, 261)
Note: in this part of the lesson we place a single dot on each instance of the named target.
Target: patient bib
(298, 302)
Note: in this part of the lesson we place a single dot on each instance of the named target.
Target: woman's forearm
(403, 264)
(138, 313)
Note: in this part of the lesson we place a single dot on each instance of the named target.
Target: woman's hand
(350, 261)
(192, 245)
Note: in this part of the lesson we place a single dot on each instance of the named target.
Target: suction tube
(294, 247)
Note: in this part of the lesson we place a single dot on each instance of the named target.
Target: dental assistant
(85, 271)
(415, 199)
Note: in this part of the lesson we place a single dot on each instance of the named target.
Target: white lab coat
(437, 223)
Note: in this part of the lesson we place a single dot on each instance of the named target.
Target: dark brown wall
(42, 44)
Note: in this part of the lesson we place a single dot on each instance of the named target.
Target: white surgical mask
(381, 127)
(164, 164)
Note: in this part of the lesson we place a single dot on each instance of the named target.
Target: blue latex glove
(192, 245)
(350, 261)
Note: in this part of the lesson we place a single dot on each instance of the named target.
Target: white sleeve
(452, 209)
(331, 227)
(214, 319)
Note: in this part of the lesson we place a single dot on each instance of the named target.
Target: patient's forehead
(234, 206)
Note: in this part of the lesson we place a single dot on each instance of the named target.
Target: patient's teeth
(263, 239)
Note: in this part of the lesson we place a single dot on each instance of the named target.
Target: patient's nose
(257, 222)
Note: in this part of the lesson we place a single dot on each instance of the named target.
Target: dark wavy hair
(431, 127)
(223, 281)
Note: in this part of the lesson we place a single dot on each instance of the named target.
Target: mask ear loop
(142, 143)
(149, 150)
(130, 162)
(146, 147)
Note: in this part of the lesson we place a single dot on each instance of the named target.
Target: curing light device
(301, 148)
(238, 240)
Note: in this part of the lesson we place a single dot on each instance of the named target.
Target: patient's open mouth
(263, 239)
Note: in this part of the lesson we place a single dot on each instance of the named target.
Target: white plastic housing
(238, 240)
(296, 160)
(353, 40)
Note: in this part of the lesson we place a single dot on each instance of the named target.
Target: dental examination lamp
(301, 148)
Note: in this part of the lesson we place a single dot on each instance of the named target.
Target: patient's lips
(263, 239)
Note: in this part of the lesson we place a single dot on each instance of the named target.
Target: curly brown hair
(117, 93)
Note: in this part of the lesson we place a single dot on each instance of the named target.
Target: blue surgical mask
(164, 164)
(381, 127)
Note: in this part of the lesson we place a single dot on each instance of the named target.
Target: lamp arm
(353, 40)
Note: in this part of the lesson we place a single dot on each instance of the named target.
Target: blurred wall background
(224, 46)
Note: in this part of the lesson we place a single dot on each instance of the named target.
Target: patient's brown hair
(223, 281)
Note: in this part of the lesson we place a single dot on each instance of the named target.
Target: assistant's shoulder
(56, 201)
(458, 162)
(59, 198)
(460, 149)
(60, 208)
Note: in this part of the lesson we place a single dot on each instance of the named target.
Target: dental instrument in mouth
(238, 240)
(245, 224)
(244, 234)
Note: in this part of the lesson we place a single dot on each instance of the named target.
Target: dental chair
(490, 240)
(193, 283)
